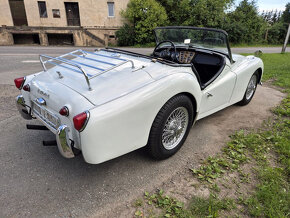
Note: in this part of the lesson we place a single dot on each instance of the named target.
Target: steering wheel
(166, 54)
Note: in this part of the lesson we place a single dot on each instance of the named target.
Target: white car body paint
(124, 102)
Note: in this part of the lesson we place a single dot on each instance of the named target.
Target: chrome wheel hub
(175, 128)
(251, 87)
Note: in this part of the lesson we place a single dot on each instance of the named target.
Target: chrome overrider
(20, 103)
(62, 139)
(64, 148)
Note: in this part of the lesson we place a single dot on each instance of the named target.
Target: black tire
(155, 144)
(246, 100)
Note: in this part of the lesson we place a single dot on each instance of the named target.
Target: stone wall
(81, 36)
(96, 27)
(93, 13)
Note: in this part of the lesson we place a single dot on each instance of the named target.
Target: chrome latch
(59, 74)
(40, 101)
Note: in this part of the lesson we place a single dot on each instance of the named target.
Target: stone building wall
(96, 28)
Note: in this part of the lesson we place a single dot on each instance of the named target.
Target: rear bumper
(64, 147)
(64, 144)
(22, 108)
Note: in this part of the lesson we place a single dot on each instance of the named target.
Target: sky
(269, 5)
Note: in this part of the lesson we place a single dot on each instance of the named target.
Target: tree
(178, 11)
(286, 14)
(275, 17)
(244, 24)
(145, 15)
(209, 13)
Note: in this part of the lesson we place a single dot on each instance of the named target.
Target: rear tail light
(19, 82)
(26, 88)
(81, 120)
(64, 111)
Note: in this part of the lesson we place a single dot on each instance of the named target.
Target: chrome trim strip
(87, 120)
(22, 83)
(195, 118)
(64, 147)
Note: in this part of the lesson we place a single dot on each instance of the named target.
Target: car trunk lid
(109, 77)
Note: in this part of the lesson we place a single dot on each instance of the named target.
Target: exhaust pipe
(49, 143)
(36, 127)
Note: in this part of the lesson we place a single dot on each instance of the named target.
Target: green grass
(277, 68)
(266, 150)
(272, 196)
(200, 207)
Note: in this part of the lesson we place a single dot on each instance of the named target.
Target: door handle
(209, 94)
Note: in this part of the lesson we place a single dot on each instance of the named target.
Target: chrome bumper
(63, 146)
(62, 138)
(20, 103)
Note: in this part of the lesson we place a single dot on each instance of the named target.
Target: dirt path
(37, 181)
(207, 137)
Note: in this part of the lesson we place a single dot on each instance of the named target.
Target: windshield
(196, 37)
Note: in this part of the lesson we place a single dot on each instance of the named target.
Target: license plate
(46, 115)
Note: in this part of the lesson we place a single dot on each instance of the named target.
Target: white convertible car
(110, 102)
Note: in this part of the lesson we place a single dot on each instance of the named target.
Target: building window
(111, 9)
(55, 13)
(42, 9)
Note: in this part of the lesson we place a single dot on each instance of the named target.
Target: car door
(217, 95)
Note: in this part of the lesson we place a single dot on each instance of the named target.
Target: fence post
(286, 40)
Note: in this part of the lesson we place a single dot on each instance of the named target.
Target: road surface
(36, 181)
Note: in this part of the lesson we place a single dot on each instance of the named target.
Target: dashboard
(185, 57)
(190, 56)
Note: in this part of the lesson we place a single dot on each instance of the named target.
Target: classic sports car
(110, 102)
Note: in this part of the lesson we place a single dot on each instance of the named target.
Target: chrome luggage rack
(77, 65)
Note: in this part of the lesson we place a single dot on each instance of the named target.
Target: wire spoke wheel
(171, 127)
(251, 87)
(175, 128)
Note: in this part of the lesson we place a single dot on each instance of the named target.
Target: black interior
(206, 65)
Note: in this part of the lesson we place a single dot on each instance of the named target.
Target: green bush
(145, 15)
(244, 25)
(277, 33)
(126, 35)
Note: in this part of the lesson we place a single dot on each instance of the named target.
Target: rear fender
(123, 125)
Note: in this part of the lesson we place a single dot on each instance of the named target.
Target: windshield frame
(229, 54)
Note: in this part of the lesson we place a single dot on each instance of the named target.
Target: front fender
(123, 125)
(244, 72)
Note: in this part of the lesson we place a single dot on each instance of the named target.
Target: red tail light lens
(81, 120)
(64, 111)
(19, 82)
(26, 88)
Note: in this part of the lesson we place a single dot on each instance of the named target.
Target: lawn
(258, 159)
(277, 68)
